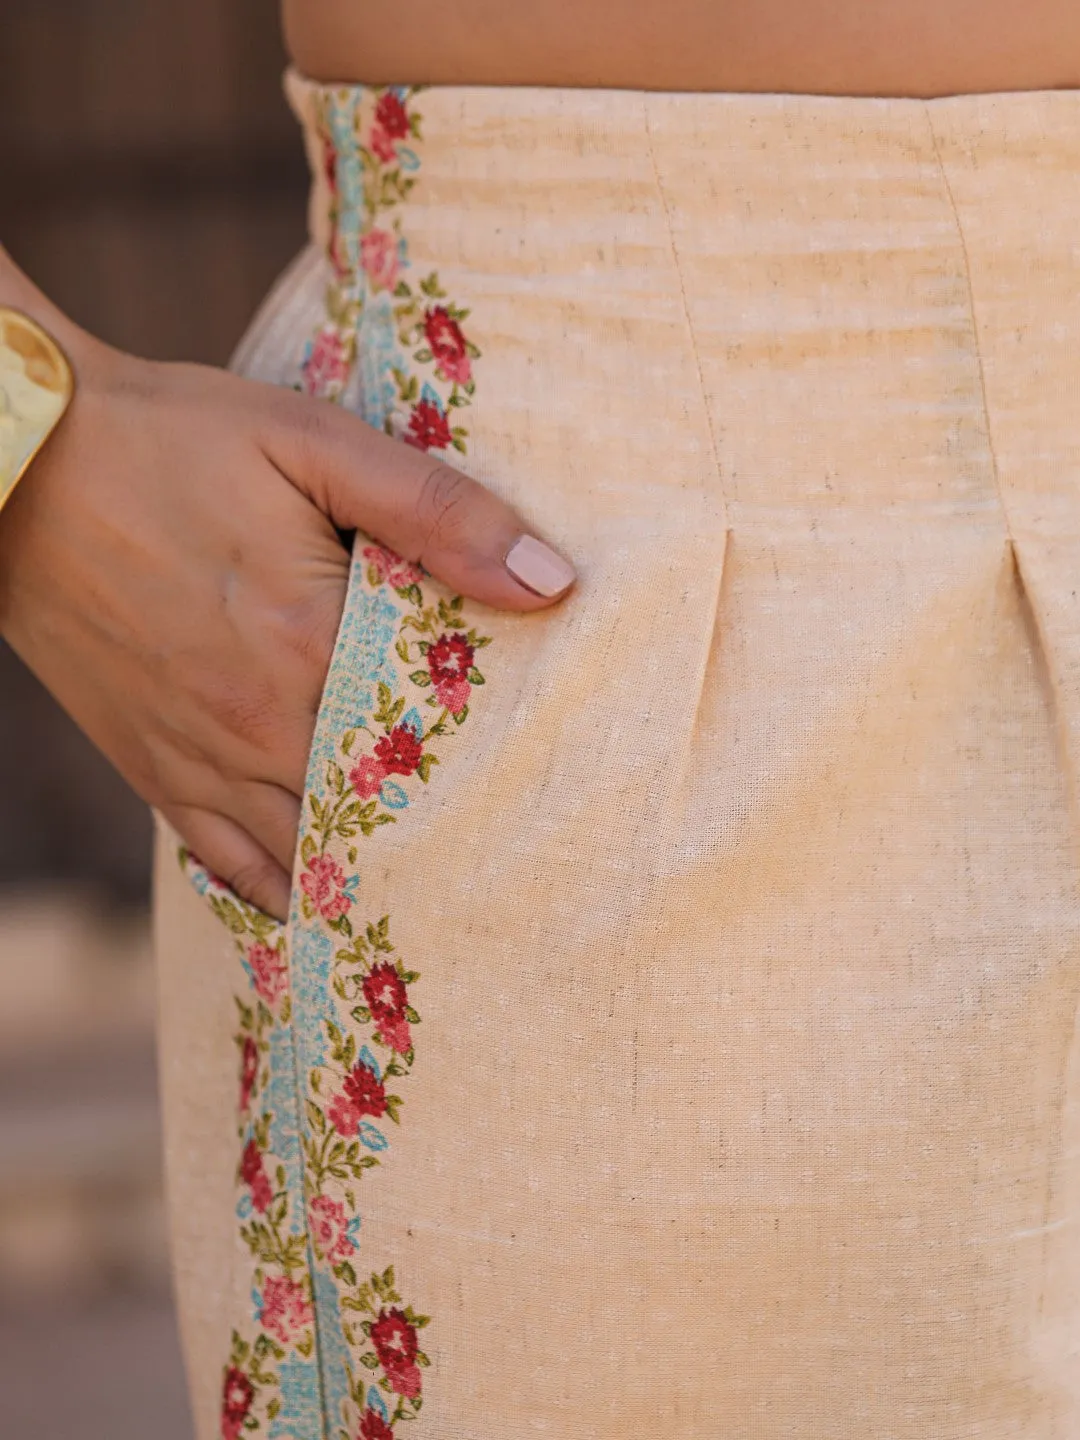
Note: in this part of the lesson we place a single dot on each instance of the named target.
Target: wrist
(92, 361)
(57, 467)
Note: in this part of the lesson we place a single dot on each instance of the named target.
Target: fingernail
(538, 567)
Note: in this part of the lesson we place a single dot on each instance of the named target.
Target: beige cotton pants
(675, 1029)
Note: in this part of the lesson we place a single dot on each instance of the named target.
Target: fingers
(428, 512)
(272, 817)
(232, 853)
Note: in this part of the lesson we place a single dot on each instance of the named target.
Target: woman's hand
(170, 570)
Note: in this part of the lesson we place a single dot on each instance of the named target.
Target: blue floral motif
(300, 1398)
(393, 796)
(372, 1137)
(366, 637)
(379, 355)
(414, 721)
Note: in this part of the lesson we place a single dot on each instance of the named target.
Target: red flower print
(429, 428)
(450, 658)
(394, 1031)
(391, 124)
(449, 662)
(391, 115)
(374, 1427)
(254, 1175)
(388, 565)
(269, 972)
(382, 145)
(384, 991)
(249, 1070)
(364, 1088)
(285, 1308)
(235, 1402)
(321, 883)
(400, 751)
(327, 364)
(367, 776)
(395, 1344)
(362, 1094)
(394, 1339)
(343, 1115)
(379, 257)
(447, 345)
(329, 1229)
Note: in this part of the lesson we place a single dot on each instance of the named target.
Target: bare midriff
(921, 48)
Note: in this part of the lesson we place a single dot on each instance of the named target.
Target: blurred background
(153, 185)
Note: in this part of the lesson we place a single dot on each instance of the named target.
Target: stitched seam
(685, 303)
(1053, 673)
(973, 310)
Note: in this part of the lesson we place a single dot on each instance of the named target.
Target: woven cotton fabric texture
(675, 1028)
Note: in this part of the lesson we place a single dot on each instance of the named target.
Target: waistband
(364, 143)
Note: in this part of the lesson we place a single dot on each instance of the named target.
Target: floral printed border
(405, 334)
(326, 1036)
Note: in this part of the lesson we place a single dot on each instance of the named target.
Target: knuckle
(245, 710)
(308, 628)
(253, 880)
(443, 507)
(311, 429)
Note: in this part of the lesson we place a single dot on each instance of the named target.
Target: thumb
(427, 511)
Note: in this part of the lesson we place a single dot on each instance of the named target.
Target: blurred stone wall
(153, 185)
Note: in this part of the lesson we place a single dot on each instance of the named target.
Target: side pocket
(326, 1021)
(404, 675)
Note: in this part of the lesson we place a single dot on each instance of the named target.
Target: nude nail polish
(538, 567)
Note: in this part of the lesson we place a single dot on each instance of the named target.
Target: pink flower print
(322, 883)
(429, 428)
(343, 1115)
(395, 1345)
(269, 973)
(394, 1031)
(447, 345)
(285, 1308)
(237, 1395)
(454, 694)
(253, 1174)
(382, 145)
(329, 1229)
(379, 257)
(367, 776)
(327, 365)
(388, 565)
(249, 1070)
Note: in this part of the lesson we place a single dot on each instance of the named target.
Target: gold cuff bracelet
(36, 386)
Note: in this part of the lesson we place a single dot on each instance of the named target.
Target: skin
(840, 47)
(188, 637)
